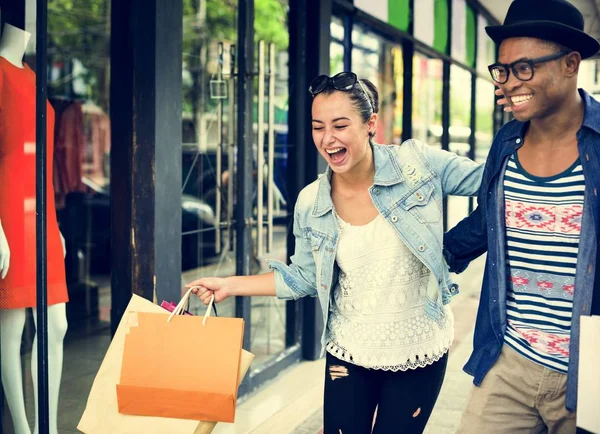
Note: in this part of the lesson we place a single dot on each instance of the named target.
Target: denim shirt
(409, 184)
(485, 230)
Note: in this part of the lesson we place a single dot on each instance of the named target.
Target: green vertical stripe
(399, 14)
(471, 20)
(440, 35)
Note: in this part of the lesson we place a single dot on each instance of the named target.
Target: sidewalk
(292, 403)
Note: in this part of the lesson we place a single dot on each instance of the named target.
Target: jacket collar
(591, 116)
(387, 172)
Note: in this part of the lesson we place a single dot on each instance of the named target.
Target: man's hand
(502, 101)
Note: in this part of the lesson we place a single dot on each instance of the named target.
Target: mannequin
(17, 234)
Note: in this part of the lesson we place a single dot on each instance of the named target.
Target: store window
(460, 133)
(484, 131)
(210, 188)
(431, 23)
(486, 49)
(380, 61)
(270, 321)
(427, 100)
(78, 208)
(459, 30)
(336, 46)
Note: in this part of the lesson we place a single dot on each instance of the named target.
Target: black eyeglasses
(522, 69)
(343, 81)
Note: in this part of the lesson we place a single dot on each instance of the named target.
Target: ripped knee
(418, 412)
(336, 371)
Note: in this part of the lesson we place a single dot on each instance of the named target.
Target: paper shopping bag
(588, 388)
(101, 414)
(181, 369)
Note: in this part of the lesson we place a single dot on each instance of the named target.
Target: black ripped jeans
(404, 400)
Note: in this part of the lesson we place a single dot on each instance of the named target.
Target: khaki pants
(518, 396)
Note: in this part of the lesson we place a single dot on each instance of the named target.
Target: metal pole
(245, 138)
(446, 104)
(260, 156)
(219, 151)
(41, 233)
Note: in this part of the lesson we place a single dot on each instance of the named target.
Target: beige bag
(588, 388)
(101, 414)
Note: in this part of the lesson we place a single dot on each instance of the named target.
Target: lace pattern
(377, 317)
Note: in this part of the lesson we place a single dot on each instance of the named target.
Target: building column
(145, 109)
(309, 56)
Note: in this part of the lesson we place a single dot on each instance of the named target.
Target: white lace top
(377, 314)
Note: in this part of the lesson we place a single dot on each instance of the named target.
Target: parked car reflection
(85, 223)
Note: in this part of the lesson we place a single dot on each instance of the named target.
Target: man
(538, 218)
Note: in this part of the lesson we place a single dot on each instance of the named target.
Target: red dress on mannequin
(18, 192)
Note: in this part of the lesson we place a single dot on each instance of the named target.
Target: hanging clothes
(69, 152)
(96, 159)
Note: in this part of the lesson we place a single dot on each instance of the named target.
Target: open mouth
(519, 100)
(336, 155)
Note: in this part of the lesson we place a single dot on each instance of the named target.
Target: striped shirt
(543, 223)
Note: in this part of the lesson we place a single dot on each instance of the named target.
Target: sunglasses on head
(344, 81)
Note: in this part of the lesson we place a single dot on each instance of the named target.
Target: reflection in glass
(380, 61)
(78, 92)
(337, 29)
(209, 37)
(460, 132)
(209, 188)
(336, 58)
(484, 131)
(427, 100)
(486, 49)
(268, 316)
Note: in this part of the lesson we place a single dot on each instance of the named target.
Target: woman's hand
(502, 101)
(208, 286)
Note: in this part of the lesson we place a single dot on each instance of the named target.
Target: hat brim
(552, 31)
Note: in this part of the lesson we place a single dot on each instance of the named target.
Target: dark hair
(366, 101)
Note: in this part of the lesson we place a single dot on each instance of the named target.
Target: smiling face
(339, 133)
(545, 93)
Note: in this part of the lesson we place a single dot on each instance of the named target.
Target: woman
(369, 245)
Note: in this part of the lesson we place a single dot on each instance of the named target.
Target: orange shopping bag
(183, 367)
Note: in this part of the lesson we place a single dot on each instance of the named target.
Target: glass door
(212, 191)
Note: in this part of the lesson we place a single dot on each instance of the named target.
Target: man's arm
(466, 241)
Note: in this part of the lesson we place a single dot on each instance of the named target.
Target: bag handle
(180, 308)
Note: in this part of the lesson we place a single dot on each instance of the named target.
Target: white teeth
(520, 99)
(334, 151)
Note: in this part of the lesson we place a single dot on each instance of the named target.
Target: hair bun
(373, 94)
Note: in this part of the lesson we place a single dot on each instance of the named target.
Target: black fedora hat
(551, 20)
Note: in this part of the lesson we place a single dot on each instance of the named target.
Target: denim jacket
(409, 185)
(485, 230)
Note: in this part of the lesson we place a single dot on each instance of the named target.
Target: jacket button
(421, 248)
(394, 218)
(420, 197)
(376, 191)
(518, 140)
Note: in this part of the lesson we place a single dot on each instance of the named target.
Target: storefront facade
(197, 111)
